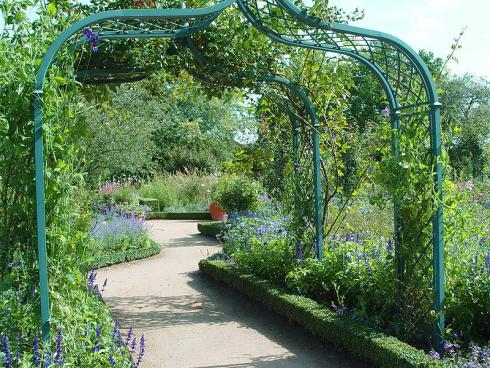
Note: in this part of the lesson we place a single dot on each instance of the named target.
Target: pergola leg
(41, 216)
(437, 226)
(318, 190)
(395, 150)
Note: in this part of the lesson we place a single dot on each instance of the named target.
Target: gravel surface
(190, 322)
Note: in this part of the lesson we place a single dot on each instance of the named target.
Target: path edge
(345, 334)
(127, 256)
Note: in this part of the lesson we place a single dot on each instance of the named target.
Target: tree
(466, 118)
(119, 135)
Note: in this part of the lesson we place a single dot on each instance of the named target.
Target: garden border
(130, 255)
(361, 341)
(178, 216)
(211, 228)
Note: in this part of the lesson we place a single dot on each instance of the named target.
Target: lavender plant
(357, 277)
(114, 231)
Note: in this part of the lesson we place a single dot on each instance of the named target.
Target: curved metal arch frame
(205, 16)
(310, 110)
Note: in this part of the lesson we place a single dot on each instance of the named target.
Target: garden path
(190, 322)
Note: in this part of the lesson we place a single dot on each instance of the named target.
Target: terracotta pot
(217, 213)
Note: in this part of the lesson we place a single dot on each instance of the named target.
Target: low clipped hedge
(130, 255)
(178, 216)
(211, 228)
(363, 342)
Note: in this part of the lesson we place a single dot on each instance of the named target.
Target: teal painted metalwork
(41, 215)
(118, 15)
(404, 77)
(437, 226)
(108, 76)
(317, 184)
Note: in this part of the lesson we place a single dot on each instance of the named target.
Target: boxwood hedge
(365, 343)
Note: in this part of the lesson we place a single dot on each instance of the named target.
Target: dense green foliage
(141, 130)
(356, 276)
(189, 191)
(237, 193)
(171, 123)
(211, 228)
(466, 119)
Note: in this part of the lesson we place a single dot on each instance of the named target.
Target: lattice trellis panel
(276, 19)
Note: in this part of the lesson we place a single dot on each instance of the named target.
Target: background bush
(237, 193)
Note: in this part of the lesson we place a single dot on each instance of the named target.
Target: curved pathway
(190, 322)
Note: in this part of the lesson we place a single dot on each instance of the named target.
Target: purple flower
(299, 250)
(130, 334)
(58, 355)
(385, 111)
(435, 355)
(92, 39)
(37, 356)
(111, 360)
(96, 346)
(142, 351)
(133, 346)
(6, 351)
(389, 245)
(114, 331)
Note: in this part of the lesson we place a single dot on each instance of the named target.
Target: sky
(432, 25)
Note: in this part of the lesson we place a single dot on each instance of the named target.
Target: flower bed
(356, 279)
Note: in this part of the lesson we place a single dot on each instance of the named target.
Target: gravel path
(190, 322)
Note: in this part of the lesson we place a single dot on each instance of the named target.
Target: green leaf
(51, 9)
(60, 80)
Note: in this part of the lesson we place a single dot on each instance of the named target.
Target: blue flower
(142, 350)
(111, 360)
(8, 361)
(130, 334)
(385, 111)
(299, 250)
(36, 359)
(58, 355)
(92, 38)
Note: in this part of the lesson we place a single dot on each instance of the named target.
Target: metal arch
(104, 76)
(203, 14)
(298, 29)
(129, 14)
(284, 22)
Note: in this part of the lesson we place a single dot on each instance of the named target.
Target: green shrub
(159, 189)
(237, 193)
(272, 261)
(211, 228)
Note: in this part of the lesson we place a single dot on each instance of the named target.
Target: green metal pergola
(404, 77)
